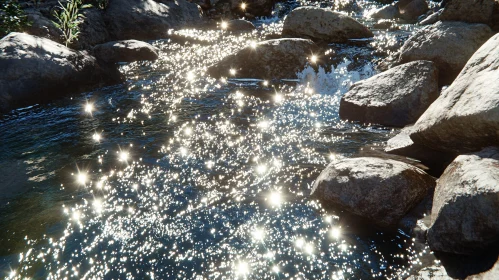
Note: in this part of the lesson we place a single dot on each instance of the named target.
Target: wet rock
(42, 27)
(434, 42)
(323, 25)
(386, 12)
(125, 51)
(148, 19)
(466, 205)
(272, 59)
(35, 69)
(257, 8)
(412, 9)
(465, 116)
(240, 25)
(431, 19)
(397, 97)
(472, 11)
(93, 29)
(381, 190)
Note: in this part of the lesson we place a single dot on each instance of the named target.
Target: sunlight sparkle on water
(82, 178)
(89, 107)
(261, 169)
(97, 204)
(242, 268)
(232, 72)
(243, 6)
(299, 243)
(278, 98)
(258, 235)
(313, 58)
(275, 199)
(96, 137)
(123, 156)
(224, 25)
(335, 232)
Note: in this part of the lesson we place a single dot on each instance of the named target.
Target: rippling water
(177, 175)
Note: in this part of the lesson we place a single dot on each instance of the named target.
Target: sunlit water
(178, 175)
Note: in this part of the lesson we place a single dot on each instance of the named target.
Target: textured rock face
(240, 25)
(473, 11)
(43, 27)
(434, 42)
(272, 59)
(465, 118)
(125, 51)
(466, 205)
(148, 19)
(396, 97)
(35, 69)
(381, 190)
(323, 25)
(93, 30)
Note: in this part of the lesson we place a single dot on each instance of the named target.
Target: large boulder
(35, 69)
(435, 42)
(385, 12)
(323, 25)
(272, 59)
(380, 190)
(148, 19)
(93, 29)
(473, 11)
(412, 9)
(465, 118)
(125, 51)
(464, 217)
(397, 97)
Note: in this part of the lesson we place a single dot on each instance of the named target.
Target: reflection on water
(178, 175)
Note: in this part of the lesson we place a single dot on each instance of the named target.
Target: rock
(380, 190)
(35, 69)
(492, 273)
(323, 25)
(472, 11)
(434, 42)
(465, 118)
(148, 19)
(272, 59)
(397, 97)
(383, 24)
(466, 205)
(257, 8)
(412, 9)
(125, 51)
(402, 145)
(93, 29)
(42, 27)
(240, 25)
(386, 12)
(431, 273)
(431, 19)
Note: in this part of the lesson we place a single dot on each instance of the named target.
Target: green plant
(12, 17)
(101, 4)
(69, 18)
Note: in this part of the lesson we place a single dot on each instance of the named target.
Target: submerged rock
(397, 97)
(272, 59)
(381, 190)
(240, 25)
(323, 25)
(148, 19)
(472, 11)
(435, 42)
(125, 51)
(465, 118)
(35, 69)
(466, 205)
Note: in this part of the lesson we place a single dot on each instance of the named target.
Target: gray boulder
(435, 42)
(464, 217)
(472, 11)
(125, 51)
(272, 59)
(35, 69)
(240, 25)
(381, 190)
(397, 97)
(323, 25)
(386, 12)
(148, 19)
(93, 29)
(412, 9)
(465, 118)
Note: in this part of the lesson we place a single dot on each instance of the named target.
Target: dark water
(177, 175)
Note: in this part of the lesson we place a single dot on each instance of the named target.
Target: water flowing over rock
(272, 59)
(381, 190)
(434, 42)
(473, 11)
(35, 69)
(125, 51)
(148, 19)
(240, 25)
(465, 118)
(466, 205)
(397, 97)
(323, 25)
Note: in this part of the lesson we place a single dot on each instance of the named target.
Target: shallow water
(178, 175)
